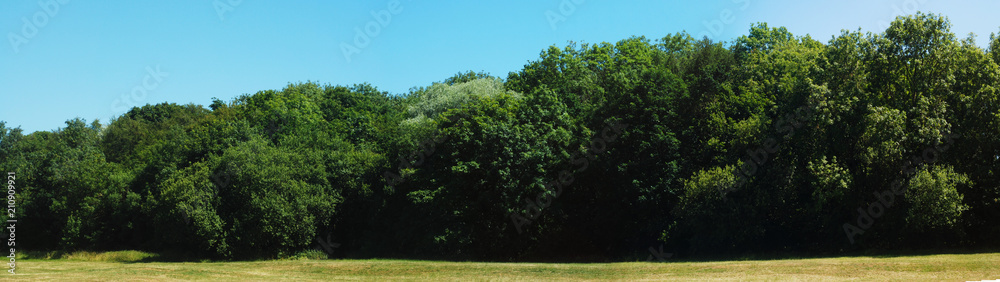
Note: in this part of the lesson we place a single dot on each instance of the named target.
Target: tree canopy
(770, 143)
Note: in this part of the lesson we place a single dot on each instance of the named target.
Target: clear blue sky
(89, 59)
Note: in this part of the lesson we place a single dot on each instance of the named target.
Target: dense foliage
(772, 142)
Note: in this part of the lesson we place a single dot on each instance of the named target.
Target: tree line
(769, 143)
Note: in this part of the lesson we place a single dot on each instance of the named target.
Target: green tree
(936, 206)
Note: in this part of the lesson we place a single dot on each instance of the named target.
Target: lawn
(119, 265)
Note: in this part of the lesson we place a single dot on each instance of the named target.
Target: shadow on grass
(131, 256)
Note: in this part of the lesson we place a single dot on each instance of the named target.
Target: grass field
(125, 265)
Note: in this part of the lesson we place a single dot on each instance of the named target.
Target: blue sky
(96, 59)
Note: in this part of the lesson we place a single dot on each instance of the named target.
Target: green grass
(130, 265)
(118, 256)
